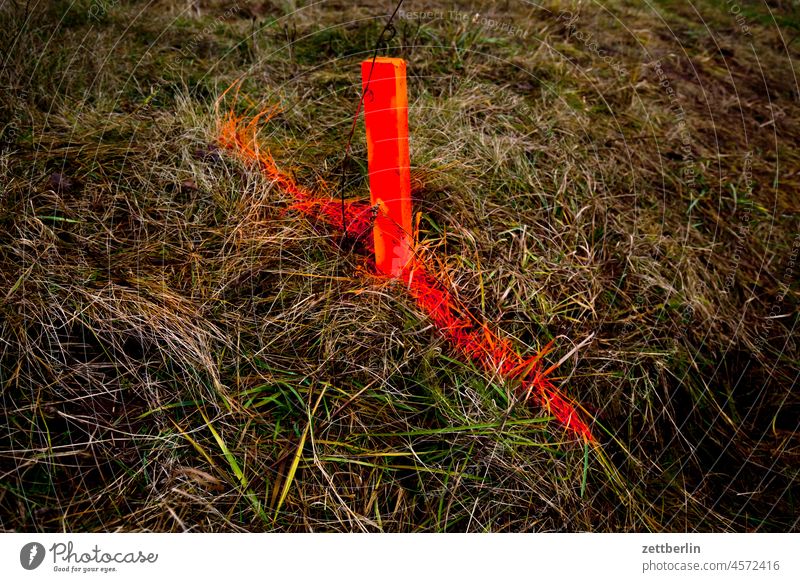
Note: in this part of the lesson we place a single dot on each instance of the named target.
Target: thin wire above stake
(386, 118)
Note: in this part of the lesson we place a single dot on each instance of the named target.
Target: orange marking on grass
(472, 339)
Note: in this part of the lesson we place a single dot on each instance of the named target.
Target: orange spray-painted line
(470, 337)
(386, 120)
(493, 354)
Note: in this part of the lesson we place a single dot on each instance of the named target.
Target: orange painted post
(386, 118)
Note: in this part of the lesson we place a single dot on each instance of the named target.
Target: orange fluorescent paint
(386, 119)
(472, 338)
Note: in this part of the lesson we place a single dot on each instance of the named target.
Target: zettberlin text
(671, 549)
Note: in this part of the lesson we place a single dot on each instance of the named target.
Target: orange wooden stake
(386, 117)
